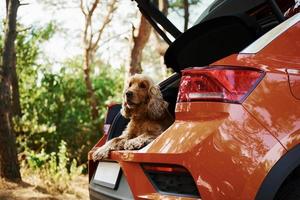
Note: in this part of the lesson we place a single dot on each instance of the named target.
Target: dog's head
(142, 98)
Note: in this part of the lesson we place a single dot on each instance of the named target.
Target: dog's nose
(129, 94)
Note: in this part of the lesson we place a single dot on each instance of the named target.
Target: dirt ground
(27, 190)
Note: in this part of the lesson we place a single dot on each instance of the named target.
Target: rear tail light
(164, 168)
(225, 84)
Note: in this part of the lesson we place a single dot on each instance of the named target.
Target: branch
(24, 4)
(24, 29)
(82, 8)
(111, 8)
(132, 31)
(91, 34)
(176, 11)
(114, 37)
(94, 6)
(87, 40)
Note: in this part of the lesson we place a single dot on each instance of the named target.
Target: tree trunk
(186, 14)
(139, 43)
(90, 40)
(163, 6)
(9, 168)
(89, 87)
(16, 105)
(161, 45)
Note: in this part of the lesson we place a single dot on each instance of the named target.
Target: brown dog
(148, 113)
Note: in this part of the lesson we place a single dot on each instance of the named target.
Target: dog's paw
(133, 144)
(100, 153)
(128, 145)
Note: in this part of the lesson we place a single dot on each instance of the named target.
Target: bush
(56, 170)
(54, 105)
(57, 110)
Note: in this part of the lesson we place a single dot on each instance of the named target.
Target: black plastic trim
(155, 26)
(210, 41)
(170, 193)
(277, 12)
(279, 172)
(98, 196)
(168, 81)
(118, 125)
(111, 113)
(123, 192)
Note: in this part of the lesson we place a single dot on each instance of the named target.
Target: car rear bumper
(226, 151)
(122, 192)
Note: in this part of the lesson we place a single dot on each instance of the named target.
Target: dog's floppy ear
(156, 107)
(125, 111)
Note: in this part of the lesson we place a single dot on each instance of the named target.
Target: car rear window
(184, 13)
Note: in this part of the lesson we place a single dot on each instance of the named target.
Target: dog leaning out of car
(144, 105)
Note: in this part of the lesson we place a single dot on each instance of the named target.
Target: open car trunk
(224, 28)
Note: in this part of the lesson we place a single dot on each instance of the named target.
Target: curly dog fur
(143, 104)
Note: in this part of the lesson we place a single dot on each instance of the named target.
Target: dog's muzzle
(129, 94)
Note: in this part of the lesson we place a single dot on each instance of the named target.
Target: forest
(62, 63)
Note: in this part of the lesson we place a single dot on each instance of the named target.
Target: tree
(185, 6)
(54, 104)
(9, 168)
(90, 39)
(186, 14)
(139, 43)
(161, 45)
(16, 105)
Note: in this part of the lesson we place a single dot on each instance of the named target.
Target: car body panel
(274, 102)
(263, 41)
(274, 106)
(206, 147)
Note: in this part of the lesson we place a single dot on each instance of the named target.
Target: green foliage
(180, 3)
(28, 45)
(52, 168)
(58, 110)
(54, 105)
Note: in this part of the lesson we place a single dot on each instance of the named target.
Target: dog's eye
(142, 85)
(130, 84)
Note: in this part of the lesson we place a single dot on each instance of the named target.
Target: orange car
(237, 130)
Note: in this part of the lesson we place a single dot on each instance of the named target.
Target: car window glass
(183, 13)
